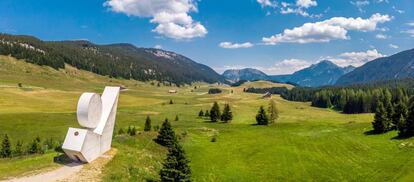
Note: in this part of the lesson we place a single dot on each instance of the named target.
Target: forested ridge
(115, 60)
(358, 98)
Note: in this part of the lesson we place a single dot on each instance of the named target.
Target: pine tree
(227, 115)
(215, 112)
(176, 118)
(35, 147)
(171, 101)
(18, 150)
(273, 111)
(409, 122)
(147, 126)
(5, 147)
(166, 135)
(400, 111)
(121, 131)
(201, 113)
(129, 130)
(261, 117)
(207, 113)
(387, 97)
(381, 123)
(133, 131)
(176, 166)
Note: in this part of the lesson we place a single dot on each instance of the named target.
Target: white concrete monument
(97, 115)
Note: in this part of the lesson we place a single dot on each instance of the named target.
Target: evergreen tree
(215, 112)
(400, 111)
(176, 118)
(171, 101)
(207, 113)
(201, 113)
(386, 100)
(147, 126)
(35, 147)
(5, 147)
(381, 123)
(227, 115)
(261, 117)
(409, 122)
(176, 166)
(133, 131)
(129, 130)
(121, 131)
(166, 135)
(18, 150)
(273, 111)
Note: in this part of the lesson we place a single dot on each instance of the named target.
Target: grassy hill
(307, 143)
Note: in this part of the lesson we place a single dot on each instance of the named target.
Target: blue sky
(276, 36)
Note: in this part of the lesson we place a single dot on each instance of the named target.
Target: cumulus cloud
(267, 3)
(288, 66)
(230, 45)
(393, 46)
(381, 36)
(306, 3)
(360, 4)
(324, 31)
(171, 16)
(355, 58)
(409, 32)
(158, 47)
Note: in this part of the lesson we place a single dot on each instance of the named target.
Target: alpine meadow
(186, 90)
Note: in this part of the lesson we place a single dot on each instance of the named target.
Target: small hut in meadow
(267, 95)
(172, 91)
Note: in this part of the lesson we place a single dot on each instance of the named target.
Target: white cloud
(267, 3)
(306, 3)
(360, 4)
(158, 47)
(410, 24)
(171, 16)
(381, 36)
(355, 58)
(409, 32)
(393, 46)
(398, 10)
(287, 66)
(229, 45)
(324, 31)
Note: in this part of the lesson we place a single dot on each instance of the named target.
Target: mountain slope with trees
(397, 66)
(115, 60)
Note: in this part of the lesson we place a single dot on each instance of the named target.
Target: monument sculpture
(96, 114)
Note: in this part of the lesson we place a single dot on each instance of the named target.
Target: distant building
(267, 95)
(172, 91)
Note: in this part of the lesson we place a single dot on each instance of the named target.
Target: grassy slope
(307, 144)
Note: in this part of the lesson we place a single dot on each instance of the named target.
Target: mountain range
(395, 67)
(129, 62)
(320, 74)
(115, 60)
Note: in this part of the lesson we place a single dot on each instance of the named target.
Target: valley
(305, 142)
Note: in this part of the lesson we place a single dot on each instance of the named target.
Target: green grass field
(306, 144)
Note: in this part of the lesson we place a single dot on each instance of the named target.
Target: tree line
(353, 99)
(272, 90)
(36, 146)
